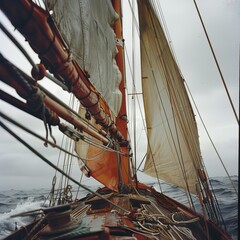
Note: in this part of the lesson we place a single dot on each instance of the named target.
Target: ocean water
(16, 201)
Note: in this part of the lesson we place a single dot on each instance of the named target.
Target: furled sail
(87, 29)
(173, 147)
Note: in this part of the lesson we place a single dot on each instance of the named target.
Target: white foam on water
(8, 223)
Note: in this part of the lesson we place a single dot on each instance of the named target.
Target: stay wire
(148, 143)
(69, 142)
(219, 157)
(217, 209)
(86, 139)
(216, 61)
(19, 46)
(58, 169)
(24, 52)
(133, 96)
(164, 110)
(58, 82)
(35, 135)
(158, 9)
(150, 64)
(171, 96)
(168, 37)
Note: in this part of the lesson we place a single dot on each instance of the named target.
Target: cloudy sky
(21, 169)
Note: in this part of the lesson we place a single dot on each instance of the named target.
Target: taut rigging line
(58, 169)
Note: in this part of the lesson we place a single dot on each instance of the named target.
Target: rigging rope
(180, 158)
(35, 134)
(96, 144)
(80, 180)
(30, 60)
(163, 223)
(212, 207)
(133, 96)
(150, 64)
(67, 165)
(58, 169)
(36, 68)
(218, 213)
(216, 61)
(145, 128)
(211, 140)
(158, 9)
(153, 74)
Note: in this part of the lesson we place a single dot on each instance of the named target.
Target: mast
(122, 116)
(121, 121)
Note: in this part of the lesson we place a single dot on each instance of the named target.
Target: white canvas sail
(173, 148)
(85, 25)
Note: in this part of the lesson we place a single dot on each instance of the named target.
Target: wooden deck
(146, 215)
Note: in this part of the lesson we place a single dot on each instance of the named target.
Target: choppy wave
(8, 224)
(15, 201)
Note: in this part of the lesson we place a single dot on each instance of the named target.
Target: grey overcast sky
(20, 169)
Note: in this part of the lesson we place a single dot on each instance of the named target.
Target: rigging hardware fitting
(119, 42)
(70, 132)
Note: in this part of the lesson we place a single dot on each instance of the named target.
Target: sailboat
(81, 50)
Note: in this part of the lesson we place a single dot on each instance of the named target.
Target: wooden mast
(121, 121)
